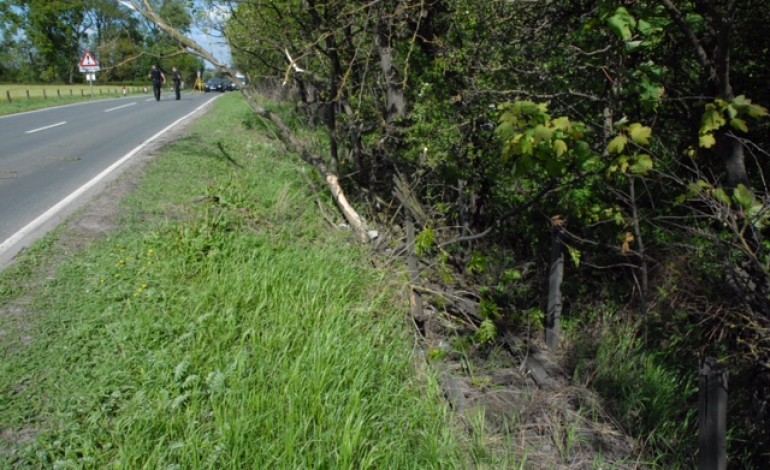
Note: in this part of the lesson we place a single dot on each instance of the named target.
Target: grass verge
(33, 97)
(221, 326)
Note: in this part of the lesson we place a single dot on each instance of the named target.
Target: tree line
(43, 41)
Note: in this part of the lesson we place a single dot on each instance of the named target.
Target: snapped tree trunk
(332, 180)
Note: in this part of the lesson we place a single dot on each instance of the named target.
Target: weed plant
(221, 326)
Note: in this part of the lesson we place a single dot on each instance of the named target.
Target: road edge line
(59, 206)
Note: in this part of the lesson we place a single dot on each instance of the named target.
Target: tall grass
(649, 398)
(223, 326)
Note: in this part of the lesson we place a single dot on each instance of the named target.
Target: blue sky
(216, 45)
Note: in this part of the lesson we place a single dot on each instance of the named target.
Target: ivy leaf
(743, 196)
(707, 141)
(639, 134)
(617, 144)
(642, 165)
(739, 124)
(559, 147)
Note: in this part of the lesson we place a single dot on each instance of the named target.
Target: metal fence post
(712, 414)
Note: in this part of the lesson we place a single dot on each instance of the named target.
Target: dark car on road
(230, 85)
(215, 84)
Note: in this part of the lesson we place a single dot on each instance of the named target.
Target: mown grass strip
(27, 97)
(222, 326)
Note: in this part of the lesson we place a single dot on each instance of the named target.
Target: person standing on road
(158, 79)
(177, 78)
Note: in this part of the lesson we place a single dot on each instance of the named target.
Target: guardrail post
(712, 414)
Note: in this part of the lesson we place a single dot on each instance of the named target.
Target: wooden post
(415, 299)
(58, 93)
(27, 94)
(82, 93)
(712, 414)
(45, 95)
(70, 91)
(8, 95)
(553, 315)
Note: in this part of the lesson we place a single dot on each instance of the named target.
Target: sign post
(89, 65)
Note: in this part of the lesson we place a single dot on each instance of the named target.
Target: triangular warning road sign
(89, 60)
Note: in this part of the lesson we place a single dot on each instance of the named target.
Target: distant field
(23, 92)
(20, 98)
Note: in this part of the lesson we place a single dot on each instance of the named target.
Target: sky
(215, 45)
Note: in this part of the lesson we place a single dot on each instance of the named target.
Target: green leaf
(745, 105)
(487, 332)
(505, 130)
(642, 165)
(695, 21)
(651, 93)
(582, 149)
(574, 254)
(512, 275)
(739, 124)
(525, 108)
(526, 145)
(743, 196)
(721, 196)
(639, 134)
(621, 23)
(712, 120)
(645, 27)
(561, 123)
(617, 144)
(707, 141)
(542, 134)
(695, 189)
(559, 147)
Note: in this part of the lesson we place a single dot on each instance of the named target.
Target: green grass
(222, 326)
(32, 97)
(648, 399)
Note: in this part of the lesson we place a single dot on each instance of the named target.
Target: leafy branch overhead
(721, 112)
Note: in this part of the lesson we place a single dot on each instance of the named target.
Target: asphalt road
(50, 160)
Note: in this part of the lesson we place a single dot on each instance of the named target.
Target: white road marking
(50, 213)
(46, 127)
(119, 107)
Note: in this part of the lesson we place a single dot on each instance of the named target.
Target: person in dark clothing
(177, 78)
(158, 79)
